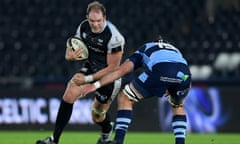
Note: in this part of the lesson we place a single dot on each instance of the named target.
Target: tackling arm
(113, 62)
(125, 68)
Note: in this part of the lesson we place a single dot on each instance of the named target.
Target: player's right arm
(71, 55)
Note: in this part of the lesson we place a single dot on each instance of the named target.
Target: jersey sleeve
(79, 30)
(137, 57)
(117, 41)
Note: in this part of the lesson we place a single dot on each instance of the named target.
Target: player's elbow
(125, 68)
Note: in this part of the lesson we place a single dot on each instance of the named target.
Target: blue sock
(123, 120)
(179, 125)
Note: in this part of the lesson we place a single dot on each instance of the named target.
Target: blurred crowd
(33, 34)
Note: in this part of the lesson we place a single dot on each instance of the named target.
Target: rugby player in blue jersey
(165, 72)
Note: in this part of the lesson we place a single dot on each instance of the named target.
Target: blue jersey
(153, 53)
(164, 67)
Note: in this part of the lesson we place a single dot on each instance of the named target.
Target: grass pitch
(70, 137)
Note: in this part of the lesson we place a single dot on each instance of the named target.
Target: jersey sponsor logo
(183, 76)
(183, 92)
(96, 49)
(97, 41)
(100, 40)
(170, 80)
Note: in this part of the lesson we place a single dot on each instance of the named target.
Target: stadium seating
(33, 34)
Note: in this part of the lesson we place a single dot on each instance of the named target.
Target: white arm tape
(88, 78)
(97, 84)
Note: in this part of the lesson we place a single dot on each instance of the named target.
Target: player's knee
(97, 118)
(176, 103)
(122, 98)
(68, 97)
(176, 98)
(98, 115)
(102, 98)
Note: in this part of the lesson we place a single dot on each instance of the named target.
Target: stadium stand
(33, 34)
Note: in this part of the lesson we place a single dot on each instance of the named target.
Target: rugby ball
(76, 43)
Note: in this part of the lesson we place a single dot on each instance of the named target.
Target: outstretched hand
(88, 88)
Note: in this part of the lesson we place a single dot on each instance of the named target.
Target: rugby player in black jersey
(105, 45)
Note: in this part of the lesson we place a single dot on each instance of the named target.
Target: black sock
(63, 116)
(105, 124)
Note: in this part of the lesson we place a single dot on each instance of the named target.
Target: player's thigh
(99, 110)
(124, 102)
(72, 92)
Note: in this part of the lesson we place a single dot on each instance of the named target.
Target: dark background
(33, 36)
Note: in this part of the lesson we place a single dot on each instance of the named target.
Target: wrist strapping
(88, 78)
(97, 84)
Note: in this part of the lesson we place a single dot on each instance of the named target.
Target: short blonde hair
(96, 6)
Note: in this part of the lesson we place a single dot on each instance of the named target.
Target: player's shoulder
(110, 24)
(148, 45)
(113, 29)
(116, 40)
(84, 23)
(82, 28)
